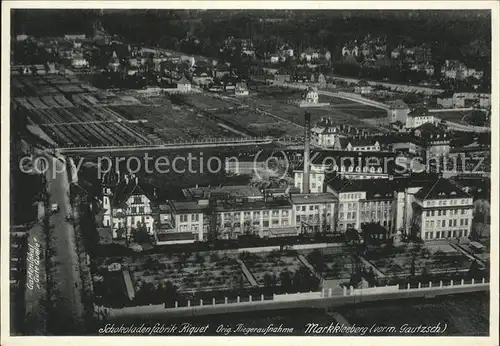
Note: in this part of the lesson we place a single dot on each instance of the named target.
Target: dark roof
(397, 104)
(312, 198)
(183, 81)
(374, 188)
(419, 112)
(173, 236)
(331, 157)
(361, 142)
(362, 83)
(441, 189)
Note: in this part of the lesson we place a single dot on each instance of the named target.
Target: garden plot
(332, 266)
(398, 261)
(190, 274)
(270, 267)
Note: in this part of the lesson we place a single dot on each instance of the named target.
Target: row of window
(445, 202)
(246, 214)
(351, 196)
(137, 210)
(448, 212)
(347, 216)
(304, 208)
(257, 223)
(446, 234)
(373, 148)
(442, 223)
(372, 215)
(191, 217)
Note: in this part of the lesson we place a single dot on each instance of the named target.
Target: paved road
(68, 281)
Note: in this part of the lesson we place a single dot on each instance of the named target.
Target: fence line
(102, 311)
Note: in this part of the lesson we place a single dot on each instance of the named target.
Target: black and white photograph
(228, 172)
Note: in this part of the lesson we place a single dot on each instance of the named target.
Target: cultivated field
(172, 122)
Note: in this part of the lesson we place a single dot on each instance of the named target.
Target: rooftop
(441, 189)
(234, 191)
(419, 112)
(312, 198)
(374, 188)
(397, 104)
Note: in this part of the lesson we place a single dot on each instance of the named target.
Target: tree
(286, 279)
(317, 261)
(269, 280)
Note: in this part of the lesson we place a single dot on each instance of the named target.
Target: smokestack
(307, 140)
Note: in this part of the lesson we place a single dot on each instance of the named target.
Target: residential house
(126, 206)
(202, 76)
(418, 117)
(397, 52)
(423, 54)
(362, 144)
(441, 210)
(454, 69)
(286, 51)
(241, 89)
(183, 85)
(73, 37)
(78, 61)
(325, 134)
(21, 37)
(398, 111)
(350, 49)
(189, 59)
(310, 54)
(363, 88)
(274, 59)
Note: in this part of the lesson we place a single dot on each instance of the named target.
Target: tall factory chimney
(307, 140)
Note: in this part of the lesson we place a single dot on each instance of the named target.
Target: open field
(464, 314)
(234, 113)
(279, 101)
(436, 259)
(171, 123)
(453, 116)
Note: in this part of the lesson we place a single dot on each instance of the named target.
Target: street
(67, 278)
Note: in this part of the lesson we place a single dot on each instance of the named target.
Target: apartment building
(442, 210)
(313, 212)
(364, 201)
